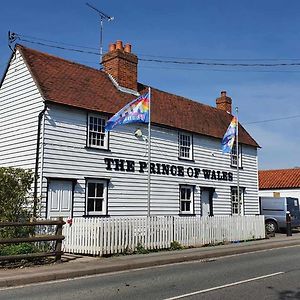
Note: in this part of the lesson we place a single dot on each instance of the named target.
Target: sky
(206, 31)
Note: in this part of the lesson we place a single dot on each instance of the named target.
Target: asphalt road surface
(271, 274)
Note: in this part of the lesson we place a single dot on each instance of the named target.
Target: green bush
(22, 248)
(15, 205)
(176, 246)
(140, 249)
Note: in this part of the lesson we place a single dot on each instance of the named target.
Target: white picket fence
(100, 236)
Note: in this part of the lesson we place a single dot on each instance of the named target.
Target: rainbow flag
(137, 111)
(229, 136)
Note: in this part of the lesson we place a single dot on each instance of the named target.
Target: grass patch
(15, 249)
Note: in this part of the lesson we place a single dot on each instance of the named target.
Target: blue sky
(232, 31)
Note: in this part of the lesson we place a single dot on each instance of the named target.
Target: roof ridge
(286, 169)
(102, 72)
(190, 100)
(20, 46)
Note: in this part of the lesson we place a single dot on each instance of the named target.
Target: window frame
(191, 147)
(233, 156)
(192, 199)
(233, 194)
(104, 211)
(106, 134)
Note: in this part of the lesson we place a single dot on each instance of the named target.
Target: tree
(15, 203)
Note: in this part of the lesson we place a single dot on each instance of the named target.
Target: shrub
(176, 246)
(22, 248)
(140, 249)
(15, 205)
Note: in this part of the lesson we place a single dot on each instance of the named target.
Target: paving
(73, 266)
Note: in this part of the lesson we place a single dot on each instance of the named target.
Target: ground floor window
(186, 199)
(237, 205)
(96, 202)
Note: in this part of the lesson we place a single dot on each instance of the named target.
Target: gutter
(35, 198)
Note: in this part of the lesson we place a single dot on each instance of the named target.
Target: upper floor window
(186, 199)
(96, 132)
(96, 202)
(234, 156)
(185, 143)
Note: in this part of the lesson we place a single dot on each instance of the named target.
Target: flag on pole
(137, 111)
(229, 136)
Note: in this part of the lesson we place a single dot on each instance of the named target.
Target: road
(271, 274)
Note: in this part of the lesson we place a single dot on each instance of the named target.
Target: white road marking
(224, 286)
(141, 269)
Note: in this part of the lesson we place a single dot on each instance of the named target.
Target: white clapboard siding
(20, 104)
(105, 236)
(66, 156)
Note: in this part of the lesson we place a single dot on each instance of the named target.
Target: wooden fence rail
(100, 236)
(57, 237)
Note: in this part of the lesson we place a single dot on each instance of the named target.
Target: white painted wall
(20, 104)
(66, 156)
(283, 193)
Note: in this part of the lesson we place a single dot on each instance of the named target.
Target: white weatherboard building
(52, 118)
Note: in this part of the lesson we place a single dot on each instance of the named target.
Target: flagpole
(237, 163)
(149, 154)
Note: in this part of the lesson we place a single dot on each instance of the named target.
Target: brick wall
(224, 102)
(121, 64)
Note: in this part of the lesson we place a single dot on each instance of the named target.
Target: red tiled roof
(279, 179)
(76, 85)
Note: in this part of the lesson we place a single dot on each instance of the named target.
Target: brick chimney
(224, 102)
(121, 64)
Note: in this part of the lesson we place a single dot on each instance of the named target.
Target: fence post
(173, 229)
(58, 245)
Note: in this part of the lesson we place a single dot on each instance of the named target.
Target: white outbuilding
(279, 183)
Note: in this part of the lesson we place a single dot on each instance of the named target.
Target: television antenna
(12, 37)
(103, 17)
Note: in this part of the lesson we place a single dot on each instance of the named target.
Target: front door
(207, 201)
(60, 194)
(205, 194)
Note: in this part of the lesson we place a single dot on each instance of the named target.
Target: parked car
(275, 209)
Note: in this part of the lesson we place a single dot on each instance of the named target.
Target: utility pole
(238, 162)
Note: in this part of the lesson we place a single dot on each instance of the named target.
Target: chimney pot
(112, 47)
(121, 64)
(119, 45)
(127, 48)
(224, 102)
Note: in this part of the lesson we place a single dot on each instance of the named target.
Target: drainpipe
(36, 169)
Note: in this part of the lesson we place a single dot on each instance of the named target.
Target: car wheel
(271, 226)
